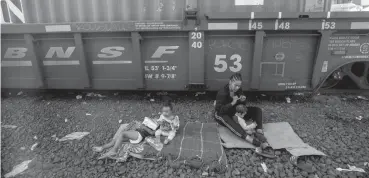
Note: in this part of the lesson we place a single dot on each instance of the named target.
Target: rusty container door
(288, 61)
(227, 53)
(165, 56)
(110, 56)
(16, 64)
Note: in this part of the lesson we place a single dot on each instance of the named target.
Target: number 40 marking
(196, 37)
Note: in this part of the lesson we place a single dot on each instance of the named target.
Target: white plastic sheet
(9, 126)
(18, 169)
(74, 136)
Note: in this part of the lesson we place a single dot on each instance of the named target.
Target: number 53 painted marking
(220, 65)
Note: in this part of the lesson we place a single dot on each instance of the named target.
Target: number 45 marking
(220, 65)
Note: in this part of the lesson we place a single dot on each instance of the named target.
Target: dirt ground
(335, 125)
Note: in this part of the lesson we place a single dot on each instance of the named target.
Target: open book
(150, 123)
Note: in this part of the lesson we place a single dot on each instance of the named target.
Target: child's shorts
(142, 134)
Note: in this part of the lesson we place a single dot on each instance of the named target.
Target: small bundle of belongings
(196, 144)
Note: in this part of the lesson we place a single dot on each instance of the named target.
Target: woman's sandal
(265, 154)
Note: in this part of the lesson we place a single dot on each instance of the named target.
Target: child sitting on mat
(241, 111)
(133, 136)
(253, 137)
(169, 123)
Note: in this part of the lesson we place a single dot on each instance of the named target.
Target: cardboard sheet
(279, 135)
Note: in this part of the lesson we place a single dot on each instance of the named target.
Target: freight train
(180, 45)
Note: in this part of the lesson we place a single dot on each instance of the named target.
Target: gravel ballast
(337, 126)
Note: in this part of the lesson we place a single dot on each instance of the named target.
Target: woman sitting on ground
(227, 100)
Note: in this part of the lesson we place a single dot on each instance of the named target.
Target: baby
(241, 111)
(253, 137)
(169, 123)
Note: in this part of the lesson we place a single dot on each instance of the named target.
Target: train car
(180, 45)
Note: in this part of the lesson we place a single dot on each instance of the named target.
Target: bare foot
(108, 154)
(97, 149)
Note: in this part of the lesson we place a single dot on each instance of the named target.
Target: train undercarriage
(351, 76)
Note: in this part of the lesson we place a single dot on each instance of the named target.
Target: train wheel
(358, 73)
(333, 79)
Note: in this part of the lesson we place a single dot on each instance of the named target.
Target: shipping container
(60, 11)
(277, 45)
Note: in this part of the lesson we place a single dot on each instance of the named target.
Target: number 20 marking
(220, 65)
(196, 36)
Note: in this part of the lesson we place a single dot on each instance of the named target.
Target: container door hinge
(191, 14)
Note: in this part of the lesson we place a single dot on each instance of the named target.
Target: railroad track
(344, 91)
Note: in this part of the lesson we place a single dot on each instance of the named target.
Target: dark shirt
(223, 101)
(143, 130)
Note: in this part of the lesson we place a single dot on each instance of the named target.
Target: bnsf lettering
(15, 53)
(164, 50)
(59, 52)
(111, 52)
(107, 52)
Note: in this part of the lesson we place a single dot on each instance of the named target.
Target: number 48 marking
(282, 25)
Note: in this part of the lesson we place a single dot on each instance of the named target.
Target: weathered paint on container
(268, 61)
(273, 51)
(59, 11)
(264, 6)
(290, 59)
(227, 54)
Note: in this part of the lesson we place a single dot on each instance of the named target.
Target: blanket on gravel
(193, 140)
(279, 135)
